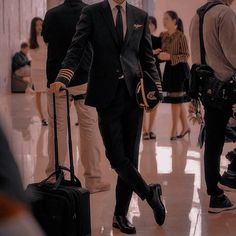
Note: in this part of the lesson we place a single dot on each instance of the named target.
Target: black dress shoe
(123, 224)
(156, 204)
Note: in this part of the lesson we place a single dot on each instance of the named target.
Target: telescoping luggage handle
(58, 168)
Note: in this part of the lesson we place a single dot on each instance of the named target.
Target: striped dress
(176, 70)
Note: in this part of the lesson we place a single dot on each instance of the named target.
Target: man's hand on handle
(56, 87)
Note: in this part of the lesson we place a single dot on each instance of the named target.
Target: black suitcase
(61, 208)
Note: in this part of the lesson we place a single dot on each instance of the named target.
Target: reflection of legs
(61, 131)
(151, 116)
(183, 118)
(216, 122)
(132, 131)
(91, 148)
(39, 105)
(176, 110)
(145, 120)
(152, 119)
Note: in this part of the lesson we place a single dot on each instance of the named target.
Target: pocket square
(137, 26)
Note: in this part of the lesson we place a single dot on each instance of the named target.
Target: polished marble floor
(178, 166)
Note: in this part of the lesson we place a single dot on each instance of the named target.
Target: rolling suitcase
(61, 208)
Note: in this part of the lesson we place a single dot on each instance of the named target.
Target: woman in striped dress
(175, 52)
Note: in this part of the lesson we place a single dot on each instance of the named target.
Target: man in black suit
(119, 35)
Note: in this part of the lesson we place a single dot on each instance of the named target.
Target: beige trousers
(90, 147)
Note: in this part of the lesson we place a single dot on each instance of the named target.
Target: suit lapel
(108, 18)
(130, 24)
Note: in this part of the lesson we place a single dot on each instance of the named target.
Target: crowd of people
(97, 56)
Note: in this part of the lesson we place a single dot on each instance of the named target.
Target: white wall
(15, 17)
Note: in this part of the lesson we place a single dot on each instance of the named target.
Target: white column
(149, 6)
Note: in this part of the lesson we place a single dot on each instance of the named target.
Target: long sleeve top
(219, 33)
(176, 45)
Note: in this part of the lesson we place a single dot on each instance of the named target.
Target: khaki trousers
(90, 147)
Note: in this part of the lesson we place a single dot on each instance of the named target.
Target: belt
(121, 77)
(79, 97)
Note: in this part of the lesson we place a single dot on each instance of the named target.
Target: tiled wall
(15, 17)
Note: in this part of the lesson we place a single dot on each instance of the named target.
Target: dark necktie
(119, 25)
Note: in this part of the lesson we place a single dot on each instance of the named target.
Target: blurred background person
(149, 118)
(220, 57)
(58, 30)
(175, 52)
(38, 53)
(15, 217)
(21, 80)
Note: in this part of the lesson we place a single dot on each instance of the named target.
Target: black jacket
(58, 30)
(19, 60)
(96, 26)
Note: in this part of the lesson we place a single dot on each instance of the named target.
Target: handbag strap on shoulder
(201, 13)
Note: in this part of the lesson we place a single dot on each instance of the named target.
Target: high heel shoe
(44, 122)
(146, 136)
(173, 138)
(188, 131)
(152, 135)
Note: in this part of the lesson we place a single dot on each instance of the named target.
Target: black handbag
(200, 73)
(148, 92)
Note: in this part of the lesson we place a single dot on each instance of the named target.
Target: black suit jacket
(96, 26)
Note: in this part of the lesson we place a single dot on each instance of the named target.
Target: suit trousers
(120, 125)
(91, 149)
(216, 122)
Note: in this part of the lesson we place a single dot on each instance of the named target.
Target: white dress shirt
(114, 11)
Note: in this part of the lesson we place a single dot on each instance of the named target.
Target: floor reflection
(176, 165)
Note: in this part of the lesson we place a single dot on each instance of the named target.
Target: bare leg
(145, 130)
(183, 118)
(152, 119)
(39, 105)
(176, 110)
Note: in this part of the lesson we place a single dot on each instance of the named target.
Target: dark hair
(24, 45)
(153, 20)
(179, 22)
(33, 35)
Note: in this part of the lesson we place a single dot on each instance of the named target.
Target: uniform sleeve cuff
(63, 80)
(64, 76)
